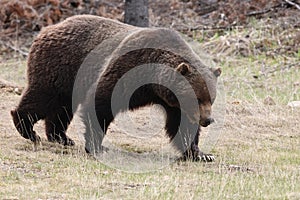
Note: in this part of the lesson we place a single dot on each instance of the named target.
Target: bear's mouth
(206, 122)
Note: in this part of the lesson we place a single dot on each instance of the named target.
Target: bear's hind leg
(24, 122)
(57, 123)
(30, 110)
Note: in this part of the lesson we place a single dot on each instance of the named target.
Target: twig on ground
(260, 12)
(206, 28)
(293, 4)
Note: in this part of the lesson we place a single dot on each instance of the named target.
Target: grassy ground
(257, 151)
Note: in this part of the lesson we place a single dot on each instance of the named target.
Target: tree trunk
(136, 13)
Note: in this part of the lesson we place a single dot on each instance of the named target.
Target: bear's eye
(199, 101)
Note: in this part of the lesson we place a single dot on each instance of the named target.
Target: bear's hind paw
(69, 142)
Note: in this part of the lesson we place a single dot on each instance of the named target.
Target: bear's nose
(208, 121)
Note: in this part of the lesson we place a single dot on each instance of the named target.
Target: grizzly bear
(62, 51)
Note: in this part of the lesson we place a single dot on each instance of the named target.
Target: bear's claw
(69, 142)
(206, 158)
(32, 136)
(198, 156)
(64, 141)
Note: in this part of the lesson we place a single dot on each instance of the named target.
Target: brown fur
(57, 54)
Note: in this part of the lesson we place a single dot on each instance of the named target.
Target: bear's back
(60, 49)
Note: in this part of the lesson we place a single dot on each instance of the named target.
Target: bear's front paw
(205, 157)
(197, 156)
(66, 141)
(69, 142)
(34, 137)
(36, 142)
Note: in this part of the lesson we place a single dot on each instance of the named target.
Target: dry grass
(259, 61)
(258, 154)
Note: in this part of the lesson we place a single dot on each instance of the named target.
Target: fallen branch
(293, 4)
(206, 28)
(260, 12)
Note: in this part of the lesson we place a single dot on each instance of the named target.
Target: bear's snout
(205, 115)
(206, 122)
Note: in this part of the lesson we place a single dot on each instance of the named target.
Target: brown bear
(61, 51)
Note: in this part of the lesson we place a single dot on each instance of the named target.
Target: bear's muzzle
(206, 122)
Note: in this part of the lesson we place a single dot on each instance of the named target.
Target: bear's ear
(217, 71)
(183, 68)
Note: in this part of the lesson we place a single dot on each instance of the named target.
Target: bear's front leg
(184, 135)
(93, 135)
(194, 153)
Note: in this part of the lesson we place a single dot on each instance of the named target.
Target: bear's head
(204, 84)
